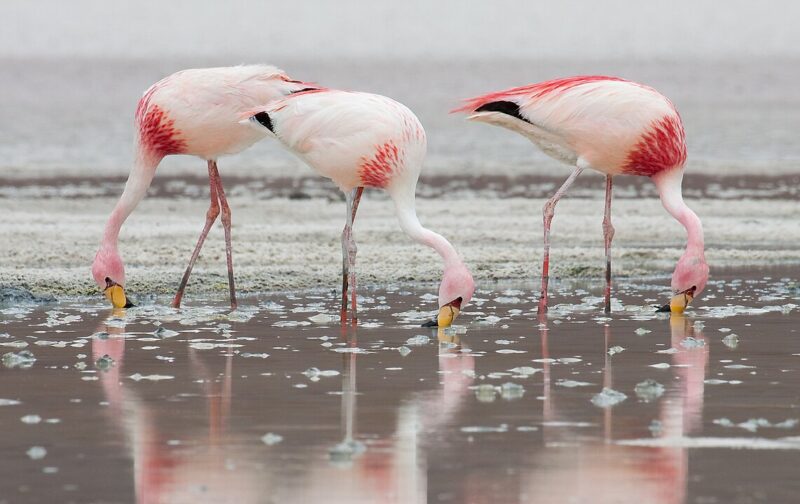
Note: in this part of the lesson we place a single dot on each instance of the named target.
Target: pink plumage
(533, 91)
(363, 140)
(355, 139)
(661, 147)
(613, 126)
(157, 134)
(377, 169)
(194, 112)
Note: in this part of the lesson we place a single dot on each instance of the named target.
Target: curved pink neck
(135, 188)
(669, 188)
(407, 215)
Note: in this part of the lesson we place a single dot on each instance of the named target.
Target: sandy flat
(283, 243)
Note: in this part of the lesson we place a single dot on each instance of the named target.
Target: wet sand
(200, 405)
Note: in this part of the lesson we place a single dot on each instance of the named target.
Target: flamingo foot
(542, 306)
(176, 301)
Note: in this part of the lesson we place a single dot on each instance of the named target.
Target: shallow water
(266, 405)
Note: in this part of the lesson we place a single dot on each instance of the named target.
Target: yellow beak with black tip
(115, 293)
(679, 301)
(447, 314)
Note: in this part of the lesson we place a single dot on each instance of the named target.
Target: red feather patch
(377, 171)
(157, 133)
(661, 148)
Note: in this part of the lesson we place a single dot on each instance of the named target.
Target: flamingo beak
(679, 301)
(115, 293)
(447, 314)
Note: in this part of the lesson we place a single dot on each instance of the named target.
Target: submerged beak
(679, 301)
(115, 293)
(447, 314)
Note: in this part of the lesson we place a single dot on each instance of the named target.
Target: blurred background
(73, 71)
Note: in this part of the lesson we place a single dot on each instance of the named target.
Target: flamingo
(615, 127)
(194, 112)
(363, 140)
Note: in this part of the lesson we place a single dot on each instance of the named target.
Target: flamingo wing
(196, 111)
(356, 139)
(598, 119)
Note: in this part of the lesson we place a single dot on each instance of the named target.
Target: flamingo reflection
(586, 472)
(206, 466)
(391, 469)
(162, 473)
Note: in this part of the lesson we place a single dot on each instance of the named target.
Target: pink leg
(226, 224)
(548, 212)
(349, 256)
(608, 234)
(211, 216)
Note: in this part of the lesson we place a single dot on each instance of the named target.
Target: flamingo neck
(409, 222)
(135, 188)
(669, 188)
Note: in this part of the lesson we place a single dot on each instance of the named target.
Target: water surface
(199, 405)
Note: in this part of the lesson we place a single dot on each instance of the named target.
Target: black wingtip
(430, 323)
(663, 309)
(265, 120)
(504, 107)
(128, 304)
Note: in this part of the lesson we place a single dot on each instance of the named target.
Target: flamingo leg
(547, 213)
(608, 234)
(349, 250)
(226, 225)
(211, 217)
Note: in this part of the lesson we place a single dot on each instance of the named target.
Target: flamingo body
(354, 139)
(364, 140)
(612, 125)
(197, 111)
(193, 112)
(615, 127)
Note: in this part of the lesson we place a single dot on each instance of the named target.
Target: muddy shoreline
(286, 231)
(758, 187)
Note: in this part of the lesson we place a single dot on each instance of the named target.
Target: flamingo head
(688, 281)
(109, 274)
(454, 292)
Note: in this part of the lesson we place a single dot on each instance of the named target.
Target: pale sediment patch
(286, 243)
(736, 443)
